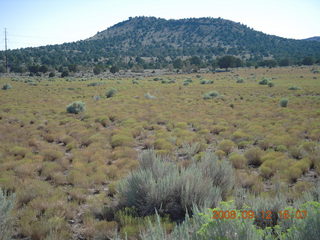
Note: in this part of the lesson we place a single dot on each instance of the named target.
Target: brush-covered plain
(65, 166)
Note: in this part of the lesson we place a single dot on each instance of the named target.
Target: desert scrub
(206, 82)
(226, 146)
(253, 155)
(76, 107)
(111, 92)
(294, 88)
(270, 84)
(240, 80)
(6, 86)
(149, 96)
(210, 95)
(283, 102)
(121, 140)
(238, 161)
(6, 220)
(264, 81)
(161, 185)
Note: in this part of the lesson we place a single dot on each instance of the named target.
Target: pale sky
(42, 22)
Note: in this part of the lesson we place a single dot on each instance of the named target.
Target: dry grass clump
(254, 156)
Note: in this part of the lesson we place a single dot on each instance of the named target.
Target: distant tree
(33, 68)
(140, 61)
(195, 60)
(18, 69)
(114, 69)
(43, 69)
(177, 63)
(51, 74)
(2, 69)
(229, 61)
(65, 73)
(97, 70)
(308, 61)
(284, 62)
(268, 63)
(73, 68)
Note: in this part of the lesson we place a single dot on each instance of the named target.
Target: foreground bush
(111, 92)
(76, 107)
(6, 224)
(283, 102)
(161, 185)
(203, 226)
(6, 86)
(210, 95)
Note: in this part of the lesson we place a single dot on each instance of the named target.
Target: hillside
(313, 39)
(165, 40)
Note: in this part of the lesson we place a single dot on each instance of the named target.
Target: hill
(313, 39)
(160, 41)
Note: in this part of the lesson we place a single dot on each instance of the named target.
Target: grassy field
(64, 168)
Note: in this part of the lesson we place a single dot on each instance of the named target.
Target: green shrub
(135, 82)
(264, 81)
(238, 161)
(93, 84)
(210, 95)
(6, 86)
(206, 82)
(76, 107)
(266, 172)
(161, 185)
(187, 82)
(270, 84)
(111, 92)
(283, 102)
(149, 96)
(226, 146)
(253, 155)
(121, 140)
(6, 224)
(240, 80)
(294, 88)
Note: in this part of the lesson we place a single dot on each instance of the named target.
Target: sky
(32, 23)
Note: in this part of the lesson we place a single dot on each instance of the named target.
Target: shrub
(294, 88)
(51, 74)
(162, 186)
(6, 224)
(210, 95)
(266, 172)
(238, 161)
(294, 172)
(6, 86)
(52, 155)
(270, 84)
(149, 96)
(253, 155)
(93, 84)
(283, 102)
(111, 92)
(240, 80)
(121, 140)
(206, 82)
(76, 107)
(264, 81)
(226, 146)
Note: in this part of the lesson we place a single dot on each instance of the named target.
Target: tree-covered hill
(163, 42)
